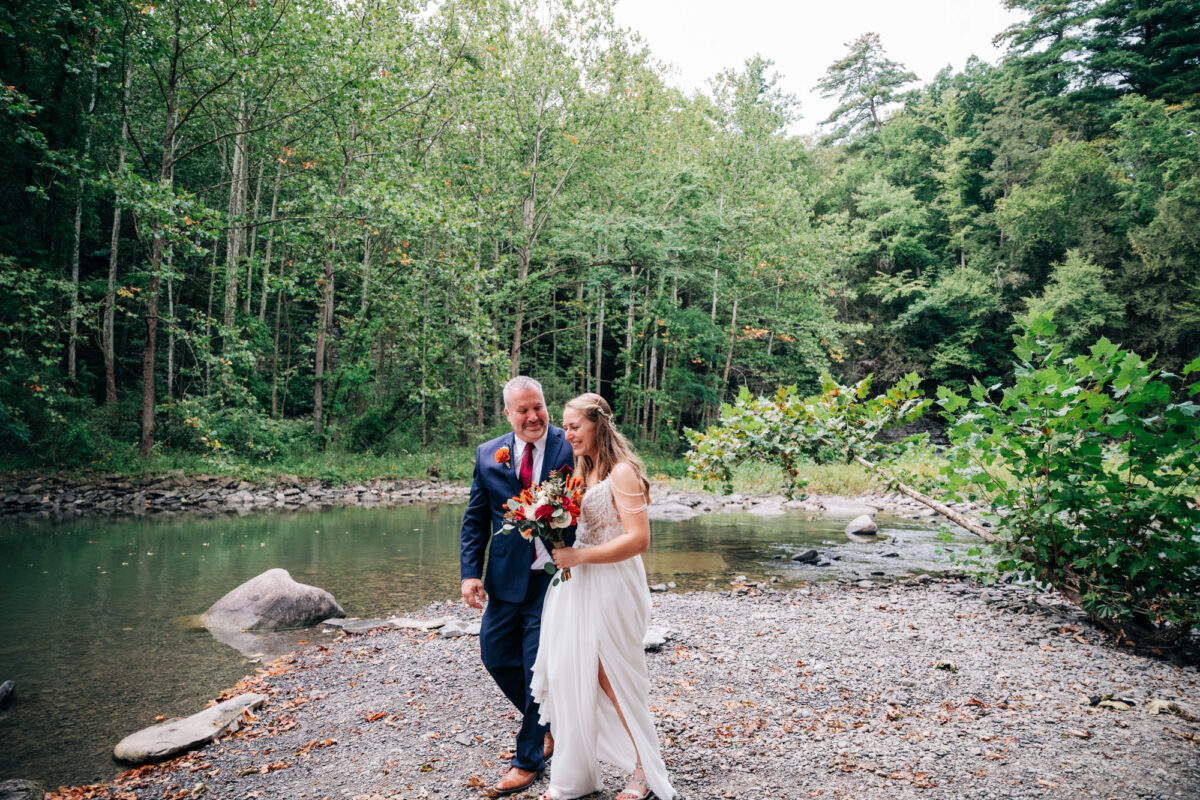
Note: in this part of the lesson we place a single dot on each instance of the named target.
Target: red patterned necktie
(526, 473)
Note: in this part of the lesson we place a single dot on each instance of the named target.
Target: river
(92, 630)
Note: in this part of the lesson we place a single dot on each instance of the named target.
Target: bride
(590, 674)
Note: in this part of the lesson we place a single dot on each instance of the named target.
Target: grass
(338, 467)
(848, 480)
(455, 463)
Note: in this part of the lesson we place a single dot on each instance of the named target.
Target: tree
(1079, 300)
(865, 81)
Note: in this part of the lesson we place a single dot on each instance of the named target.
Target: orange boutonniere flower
(503, 456)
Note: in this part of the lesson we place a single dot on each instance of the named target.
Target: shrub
(1091, 465)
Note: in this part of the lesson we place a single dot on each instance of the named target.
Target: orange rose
(502, 455)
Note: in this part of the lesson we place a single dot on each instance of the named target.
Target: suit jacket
(509, 556)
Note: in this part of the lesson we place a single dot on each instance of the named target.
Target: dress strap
(621, 506)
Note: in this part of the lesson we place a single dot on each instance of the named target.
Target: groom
(515, 579)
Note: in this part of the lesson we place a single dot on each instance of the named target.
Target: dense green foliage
(251, 230)
(1091, 463)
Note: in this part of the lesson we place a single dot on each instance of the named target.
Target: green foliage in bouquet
(839, 424)
(1090, 463)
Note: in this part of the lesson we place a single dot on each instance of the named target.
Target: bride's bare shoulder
(625, 478)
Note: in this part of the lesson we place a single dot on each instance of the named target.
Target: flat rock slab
(412, 623)
(673, 511)
(364, 625)
(168, 738)
(846, 508)
(768, 510)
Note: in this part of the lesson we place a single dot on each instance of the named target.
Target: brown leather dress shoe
(515, 780)
(547, 747)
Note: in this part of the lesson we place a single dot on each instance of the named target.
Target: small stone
(460, 628)
(656, 636)
(1165, 707)
(948, 666)
(863, 525)
(658, 587)
(7, 690)
(807, 557)
(21, 790)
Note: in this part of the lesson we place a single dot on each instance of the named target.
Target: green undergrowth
(444, 462)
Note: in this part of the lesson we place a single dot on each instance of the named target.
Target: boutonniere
(503, 456)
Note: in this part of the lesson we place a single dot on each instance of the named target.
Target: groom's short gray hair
(521, 382)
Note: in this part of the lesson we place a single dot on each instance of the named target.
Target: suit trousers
(508, 643)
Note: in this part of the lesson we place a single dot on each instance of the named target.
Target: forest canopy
(264, 227)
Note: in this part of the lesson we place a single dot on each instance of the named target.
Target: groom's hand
(473, 593)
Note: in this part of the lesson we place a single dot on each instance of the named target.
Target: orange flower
(502, 455)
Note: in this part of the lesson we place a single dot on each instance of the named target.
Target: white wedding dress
(597, 617)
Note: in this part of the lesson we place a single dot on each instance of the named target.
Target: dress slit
(598, 620)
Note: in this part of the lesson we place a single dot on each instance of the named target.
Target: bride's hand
(567, 557)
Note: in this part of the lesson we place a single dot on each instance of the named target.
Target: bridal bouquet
(545, 508)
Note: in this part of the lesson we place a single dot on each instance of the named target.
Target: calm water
(91, 628)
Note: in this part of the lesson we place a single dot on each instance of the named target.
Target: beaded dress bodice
(598, 520)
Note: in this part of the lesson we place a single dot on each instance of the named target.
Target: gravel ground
(829, 691)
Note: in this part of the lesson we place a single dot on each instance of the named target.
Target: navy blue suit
(512, 619)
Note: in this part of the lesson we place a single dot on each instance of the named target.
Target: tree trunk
(729, 352)
(252, 236)
(110, 294)
(72, 342)
(262, 298)
(599, 343)
(523, 258)
(170, 326)
(366, 274)
(235, 242)
(275, 347)
(166, 177)
(326, 318)
(629, 405)
(651, 373)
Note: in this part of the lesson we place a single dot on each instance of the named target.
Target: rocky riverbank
(672, 504)
(839, 690)
(56, 497)
(114, 495)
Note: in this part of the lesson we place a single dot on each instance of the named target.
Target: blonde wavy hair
(611, 445)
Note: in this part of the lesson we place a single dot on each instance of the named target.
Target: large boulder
(863, 526)
(168, 738)
(271, 601)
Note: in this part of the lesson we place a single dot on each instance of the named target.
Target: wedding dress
(597, 617)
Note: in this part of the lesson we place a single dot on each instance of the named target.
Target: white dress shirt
(539, 456)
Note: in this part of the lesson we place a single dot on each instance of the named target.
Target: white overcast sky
(702, 37)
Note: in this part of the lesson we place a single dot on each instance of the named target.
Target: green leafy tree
(865, 81)
(1079, 300)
